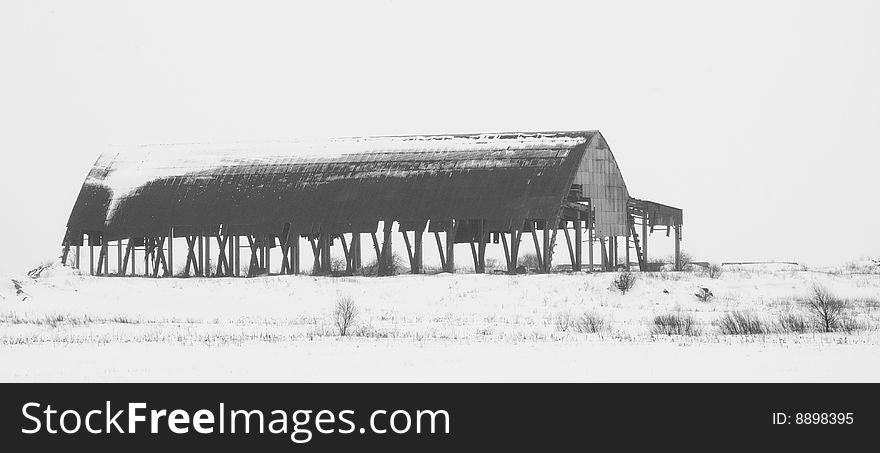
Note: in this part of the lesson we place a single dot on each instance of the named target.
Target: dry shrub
(792, 323)
(742, 323)
(714, 270)
(589, 322)
(624, 281)
(529, 261)
(675, 324)
(826, 309)
(345, 315)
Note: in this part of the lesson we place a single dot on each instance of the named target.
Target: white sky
(760, 119)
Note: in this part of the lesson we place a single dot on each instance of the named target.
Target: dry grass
(675, 324)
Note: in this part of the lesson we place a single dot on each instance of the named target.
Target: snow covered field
(64, 326)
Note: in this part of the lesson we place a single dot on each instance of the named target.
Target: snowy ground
(64, 326)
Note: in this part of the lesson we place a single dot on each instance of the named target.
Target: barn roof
(332, 186)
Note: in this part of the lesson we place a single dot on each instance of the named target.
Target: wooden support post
(386, 254)
(627, 251)
(91, 256)
(230, 259)
(645, 238)
(578, 244)
(207, 256)
(418, 261)
(148, 252)
(356, 245)
(222, 260)
(481, 247)
(160, 258)
(440, 250)
(515, 241)
(325, 253)
(316, 253)
(678, 264)
(133, 259)
(474, 255)
(506, 250)
(200, 265)
(413, 251)
(102, 258)
(76, 258)
(268, 245)
(571, 259)
(119, 257)
(590, 239)
(171, 252)
(612, 243)
(237, 266)
(254, 246)
(294, 253)
(450, 245)
(538, 253)
(124, 265)
(105, 250)
(545, 268)
(376, 247)
(604, 254)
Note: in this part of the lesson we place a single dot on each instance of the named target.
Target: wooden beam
(207, 256)
(294, 254)
(171, 251)
(515, 241)
(545, 265)
(450, 245)
(355, 250)
(418, 256)
(678, 264)
(237, 241)
(386, 254)
(119, 257)
(538, 253)
(409, 252)
(222, 260)
(590, 239)
(506, 251)
(201, 257)
(578, 244)
(128, 249)
(324, 239)
(645, 238)
(481, 248)
(570, 245)
(440, 250)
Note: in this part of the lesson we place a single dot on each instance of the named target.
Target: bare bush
(675, 324)
(826, 309)
(337, 266)
(704, 294)
(345, 315)
(564, 321)
(624, 281)
(850, 325)
(792, 323)
(742, 323)
(589, 322)
(714, 270)
(529, 261)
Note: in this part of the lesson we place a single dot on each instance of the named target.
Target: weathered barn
(471, 189)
